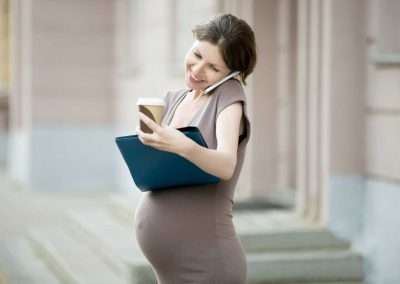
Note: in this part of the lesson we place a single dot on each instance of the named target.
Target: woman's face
(204, 65)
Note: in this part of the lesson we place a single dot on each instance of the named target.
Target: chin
(195, 88)
(188, 85)
(192, 86)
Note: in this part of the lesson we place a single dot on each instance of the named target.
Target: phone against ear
(212, 87)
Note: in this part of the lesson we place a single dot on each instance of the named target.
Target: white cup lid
(150, 101)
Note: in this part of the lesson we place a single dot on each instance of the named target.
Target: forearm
(214, 162)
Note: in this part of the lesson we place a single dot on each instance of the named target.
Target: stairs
(98, 246)
(309, 267)
(22, 264)
(281, 248)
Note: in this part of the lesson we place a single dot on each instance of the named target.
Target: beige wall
(4, 73)
(62, 95)
(4, 47)
(72, 63)
(273, 100)
(348, 88)
(264, 99)
(365, 103)
(383, 104)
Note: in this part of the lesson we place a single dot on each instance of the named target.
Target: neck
(197, 94)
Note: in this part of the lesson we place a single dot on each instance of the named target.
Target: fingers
(149, 122)
(145, 138)
(142, 134)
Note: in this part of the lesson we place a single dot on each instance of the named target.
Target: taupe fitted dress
(187, 233)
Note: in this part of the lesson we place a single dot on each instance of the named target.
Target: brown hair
(235, 39)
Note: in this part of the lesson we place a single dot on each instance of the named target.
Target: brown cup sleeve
(148, 113)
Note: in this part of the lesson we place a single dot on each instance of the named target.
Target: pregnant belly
(164, 220)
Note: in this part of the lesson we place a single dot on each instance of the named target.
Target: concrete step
(335, 282)
(305, 267)
(113, 240)
(304, 239)
(72, 260)
(123, 205)
(19, 263)
(283, 230)
(114, 237)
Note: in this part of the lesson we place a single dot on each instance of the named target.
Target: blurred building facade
(4, 77)
(60, 94)
(324, 102)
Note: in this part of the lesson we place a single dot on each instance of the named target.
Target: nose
(197, 70)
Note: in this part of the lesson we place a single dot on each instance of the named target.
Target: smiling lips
(194, 79)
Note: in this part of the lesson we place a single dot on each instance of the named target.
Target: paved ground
(20, 210)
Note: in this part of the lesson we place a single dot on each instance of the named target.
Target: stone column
(313, 94)
(331, 130)
(19, 151)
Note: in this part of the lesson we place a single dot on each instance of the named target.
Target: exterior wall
(4, 47)
(4, 78)
(365, 184)
(63, 96)
(348, 89)
(381, 217)
(347, 115)
(72, 63)
(273, 157)
(264, 100)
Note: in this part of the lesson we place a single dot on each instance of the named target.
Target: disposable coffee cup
(153, 108)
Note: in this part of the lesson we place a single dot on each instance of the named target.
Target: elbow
(229, 171)
(226, 177)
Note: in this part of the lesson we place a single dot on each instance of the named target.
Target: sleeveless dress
(187, 233)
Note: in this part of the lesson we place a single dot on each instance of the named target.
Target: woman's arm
(220, 162)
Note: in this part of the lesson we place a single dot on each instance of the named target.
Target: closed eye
(197, 55)
(213, 68)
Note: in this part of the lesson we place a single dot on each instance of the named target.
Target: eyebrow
(215, 65)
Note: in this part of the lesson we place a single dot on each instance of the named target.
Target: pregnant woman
(187, 233)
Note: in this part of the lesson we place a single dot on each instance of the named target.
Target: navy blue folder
(152, 169)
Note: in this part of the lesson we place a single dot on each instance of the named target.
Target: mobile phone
(213, 86)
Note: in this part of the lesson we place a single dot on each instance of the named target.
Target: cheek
(214, 77)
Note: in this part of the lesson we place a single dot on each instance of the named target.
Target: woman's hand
(164, 138)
